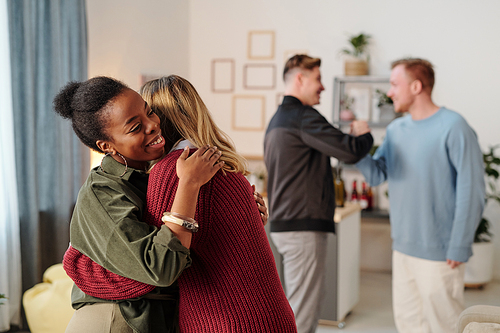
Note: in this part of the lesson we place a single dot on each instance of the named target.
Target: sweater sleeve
(374, 169)
(110, 233)
(319, 134)
(466, 157)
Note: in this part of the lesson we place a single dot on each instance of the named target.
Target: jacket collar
(288, 99)
(112, 167)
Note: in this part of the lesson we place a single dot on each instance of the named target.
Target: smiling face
(134, 130)
(401, 89)
(311, 86)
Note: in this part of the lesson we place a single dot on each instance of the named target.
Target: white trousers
(304, 254)
(428, 296)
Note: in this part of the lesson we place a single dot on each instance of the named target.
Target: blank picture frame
(261, 45)
(259, 76)
(362, 102)
(248, 112)
(223, 75)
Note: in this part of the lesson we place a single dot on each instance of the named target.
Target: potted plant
(479, 268)
(357, 61)
(383, 107)
(2, 297)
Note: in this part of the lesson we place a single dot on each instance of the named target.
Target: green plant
(2, 296)
(359, 45)
(383, 99)
(346, 102)
(492, 171)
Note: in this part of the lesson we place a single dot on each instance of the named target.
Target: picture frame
(248, 112)
(259, 76)
(222, 75)
(261, 45)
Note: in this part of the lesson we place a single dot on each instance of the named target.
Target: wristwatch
(181, 220)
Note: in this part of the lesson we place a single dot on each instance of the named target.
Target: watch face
(190, 226)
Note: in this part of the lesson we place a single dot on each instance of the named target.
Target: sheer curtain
(48, 48)
(10, 248)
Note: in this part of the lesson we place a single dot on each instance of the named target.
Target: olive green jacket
(107, 227)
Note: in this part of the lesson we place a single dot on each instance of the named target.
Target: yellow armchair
(48, 304)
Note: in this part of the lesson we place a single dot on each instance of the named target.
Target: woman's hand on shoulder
(261, 204)
(200, 167)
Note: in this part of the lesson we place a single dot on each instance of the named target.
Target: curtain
(48, 48)
(10, 248)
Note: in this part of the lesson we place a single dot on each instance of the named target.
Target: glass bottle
(339, 187)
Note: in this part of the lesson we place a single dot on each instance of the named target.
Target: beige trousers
(304, 255)
(428, 296)
(98, 318)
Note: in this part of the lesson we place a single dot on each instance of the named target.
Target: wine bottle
(363, 201)
(370, 198)
(339, 188)
(354, 193)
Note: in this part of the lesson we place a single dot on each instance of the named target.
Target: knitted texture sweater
(96, 281)
(233, 284)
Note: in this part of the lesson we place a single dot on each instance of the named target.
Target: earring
(126, 165)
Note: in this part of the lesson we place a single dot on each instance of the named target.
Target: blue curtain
(48, 48)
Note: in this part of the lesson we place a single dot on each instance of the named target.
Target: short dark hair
(418, 69)
(302, 61)
(85, 104)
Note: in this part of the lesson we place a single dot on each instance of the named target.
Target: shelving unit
(339, 90)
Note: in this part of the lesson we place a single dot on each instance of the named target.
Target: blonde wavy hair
(183, 115)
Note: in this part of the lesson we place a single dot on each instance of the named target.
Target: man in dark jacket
(297, 149)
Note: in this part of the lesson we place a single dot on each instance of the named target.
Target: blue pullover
(435, 175)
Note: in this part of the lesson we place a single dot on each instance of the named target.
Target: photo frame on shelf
(259, 76)
(222, 75)
(362, 102)
(261, 45)
(248, 112)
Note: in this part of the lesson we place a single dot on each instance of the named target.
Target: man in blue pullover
(433, 164)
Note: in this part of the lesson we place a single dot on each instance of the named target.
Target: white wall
(459, 37)
(127, 38)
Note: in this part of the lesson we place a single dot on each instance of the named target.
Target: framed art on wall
(248, 112)
(222, 75)
(259, 76)
(261, 45)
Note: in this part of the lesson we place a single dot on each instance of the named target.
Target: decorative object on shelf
(383, 107)
(346, 113)
(479, 268)
(365, 101)
(357, 61)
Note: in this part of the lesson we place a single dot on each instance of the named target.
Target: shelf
(362, 79)
(366, 96)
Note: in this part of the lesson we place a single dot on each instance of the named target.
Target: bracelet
(181, 220)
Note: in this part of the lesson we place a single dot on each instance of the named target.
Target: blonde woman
(233, 284)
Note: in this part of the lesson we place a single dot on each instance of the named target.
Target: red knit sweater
(233, 284)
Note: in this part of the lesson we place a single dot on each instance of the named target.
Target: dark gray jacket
(297, 148)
